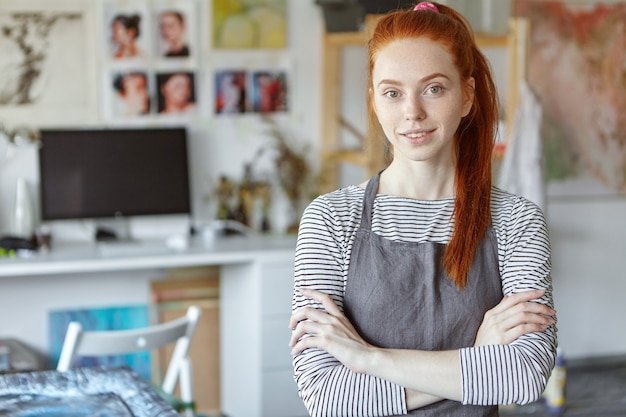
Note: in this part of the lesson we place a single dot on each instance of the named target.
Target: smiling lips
(416, 134)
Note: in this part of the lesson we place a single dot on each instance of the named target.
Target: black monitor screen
(113, 172)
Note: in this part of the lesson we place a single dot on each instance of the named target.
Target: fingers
(303, 328)
(523, 302)
(321, 298)
(302, 344)
(304, 313)
(307, 320)
(307, 334)
(517, 298)
(515, 316)
(522, 329)
(514, 311)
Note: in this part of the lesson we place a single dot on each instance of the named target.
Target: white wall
(588, 241)
(588, 235)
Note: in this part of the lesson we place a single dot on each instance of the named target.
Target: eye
(391, 94)
(434, 89)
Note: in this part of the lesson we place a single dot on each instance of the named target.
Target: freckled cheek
(386, 112)
(389, 120)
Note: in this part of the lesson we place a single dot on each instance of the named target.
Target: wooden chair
(101, 343)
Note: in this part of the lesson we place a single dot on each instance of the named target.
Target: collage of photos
(151, 59)
(152, 64)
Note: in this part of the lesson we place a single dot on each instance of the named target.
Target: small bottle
(555, 389)
(23, 224)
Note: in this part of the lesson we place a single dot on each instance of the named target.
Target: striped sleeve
(518, 372)
(326, 386)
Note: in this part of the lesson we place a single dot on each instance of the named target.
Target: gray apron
(399, 296)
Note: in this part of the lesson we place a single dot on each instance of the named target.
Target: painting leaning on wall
(575, 65)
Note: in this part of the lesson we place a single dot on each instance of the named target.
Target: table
(117, 392)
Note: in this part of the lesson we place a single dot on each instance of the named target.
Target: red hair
(473, 141)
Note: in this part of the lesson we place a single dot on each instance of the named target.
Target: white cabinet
(257, 374)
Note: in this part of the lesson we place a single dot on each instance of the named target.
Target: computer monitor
(113, 173)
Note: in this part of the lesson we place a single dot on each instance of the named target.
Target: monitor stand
(113, 229)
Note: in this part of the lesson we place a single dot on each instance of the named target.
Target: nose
(414, 110)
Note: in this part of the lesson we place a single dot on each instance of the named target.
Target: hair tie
(426, 5)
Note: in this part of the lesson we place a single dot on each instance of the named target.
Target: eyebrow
(423, 80)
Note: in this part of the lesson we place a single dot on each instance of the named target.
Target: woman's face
(172, 29)
(177, 89)
(135, 84)
(419, 99)
(122, 35)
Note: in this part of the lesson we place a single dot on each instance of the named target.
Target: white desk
(256, 284)
(79, 257)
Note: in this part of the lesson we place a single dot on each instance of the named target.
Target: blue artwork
(110, 318)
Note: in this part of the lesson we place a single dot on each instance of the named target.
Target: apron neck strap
(368, 201)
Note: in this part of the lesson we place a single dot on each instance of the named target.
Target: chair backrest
(111, 342)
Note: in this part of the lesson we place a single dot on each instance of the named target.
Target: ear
(468, 95)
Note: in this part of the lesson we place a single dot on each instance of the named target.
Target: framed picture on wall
(575, 65)
(176, 93)
(249, 24)
(175, 29)
(230, 91)
(47, 70)
(126, 30)
(130, 93)
(269, 91)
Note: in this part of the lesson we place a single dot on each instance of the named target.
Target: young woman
(425, 291)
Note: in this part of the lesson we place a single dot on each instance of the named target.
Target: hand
(329, 330)
(513, 317)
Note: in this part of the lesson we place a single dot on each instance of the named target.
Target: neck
(418, 182)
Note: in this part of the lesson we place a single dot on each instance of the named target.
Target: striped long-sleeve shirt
(494, 374)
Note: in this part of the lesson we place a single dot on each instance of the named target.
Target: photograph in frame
(47, 70)
(176, 93)
(269, 91)
(175, 30)
(130, 92)
(230, 91)
(126, 30)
